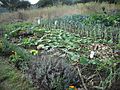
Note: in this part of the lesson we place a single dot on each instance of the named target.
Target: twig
(79, 72)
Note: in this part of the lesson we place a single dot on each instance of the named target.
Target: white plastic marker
(92, 54)
(56, 22)
(38, 21)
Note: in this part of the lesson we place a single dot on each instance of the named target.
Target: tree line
(13, 5)
(44, 3)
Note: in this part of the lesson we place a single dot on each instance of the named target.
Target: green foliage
(69, 43)
(70, 2)
(13, 5)
(5, 46)
(16, 26)
(107, 20)
(11, 79)
(109, 1)
(14, 30)
(1, 46)
(56, 33)
(94, 26)
(17, 55)
(117, 47)
(15, 58)
(10, 4)
(23, 5)
(45, 3)
(27, 42)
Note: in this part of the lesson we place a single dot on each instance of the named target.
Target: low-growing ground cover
(82, 51)
(11, 78)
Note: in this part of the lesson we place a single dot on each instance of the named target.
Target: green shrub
(17, 54)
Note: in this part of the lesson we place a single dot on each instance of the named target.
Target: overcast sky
(33, 1)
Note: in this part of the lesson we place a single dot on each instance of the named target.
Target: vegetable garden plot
(47, 44)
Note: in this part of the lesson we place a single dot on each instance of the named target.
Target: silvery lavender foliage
(52, 72)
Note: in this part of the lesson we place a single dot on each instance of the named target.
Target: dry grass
(56, 11)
